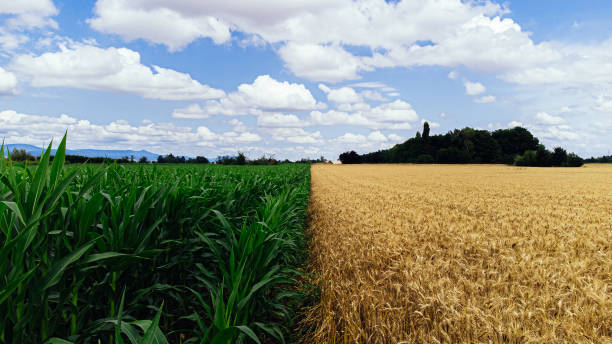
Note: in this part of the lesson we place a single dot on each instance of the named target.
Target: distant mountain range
(90, 153)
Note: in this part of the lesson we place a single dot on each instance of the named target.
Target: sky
(302, 78)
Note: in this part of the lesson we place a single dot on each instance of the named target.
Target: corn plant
(88, 250)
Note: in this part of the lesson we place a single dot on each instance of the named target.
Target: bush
(530, 158)
(574, 160)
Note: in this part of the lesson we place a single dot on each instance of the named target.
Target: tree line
(470, 146)
(239, 159)
(605, 159)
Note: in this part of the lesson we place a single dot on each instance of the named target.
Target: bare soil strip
(461, 254)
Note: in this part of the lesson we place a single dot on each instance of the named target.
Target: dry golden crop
(461, 254)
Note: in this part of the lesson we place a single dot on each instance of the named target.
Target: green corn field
(149, 254)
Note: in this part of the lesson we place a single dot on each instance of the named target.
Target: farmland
(461, 254)
(143, 254)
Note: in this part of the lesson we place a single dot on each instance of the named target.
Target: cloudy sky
(302, 78)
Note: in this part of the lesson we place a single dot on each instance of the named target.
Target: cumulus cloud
(29, 14)
(132, 20)
(351, 138)
(312, 36)
(573, 65)
(394, 115)
(395, 138)
(264, 94)
(10, 40)
(453, 75)
(545, 118)
(473, 88)
(377, 136)
(318, 62)
(295, 135)
(159, 137)
(280, 120)
(342, 95)
(397, 110)
(484, 99)
(8, 82)
(110, 69)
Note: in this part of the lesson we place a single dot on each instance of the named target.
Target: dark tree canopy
(425, 130)
(350, 158)
(469, 146)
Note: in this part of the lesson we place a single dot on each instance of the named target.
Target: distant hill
(90, 153)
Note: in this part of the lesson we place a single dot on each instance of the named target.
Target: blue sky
(302, 78)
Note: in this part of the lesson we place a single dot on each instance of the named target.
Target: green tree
(240, 159)
(558, 157)
(425, 130)
(21, 155)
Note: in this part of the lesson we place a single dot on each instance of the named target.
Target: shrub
(574, 160)
(529, 158)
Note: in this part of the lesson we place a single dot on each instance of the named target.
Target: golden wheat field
(461, 254)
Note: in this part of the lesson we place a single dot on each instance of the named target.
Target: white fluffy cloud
(110, 69)
(545, 118)
(351, 138)
(573, 65)
(316, 62)
(395, 115)
(159, 137)
(397, 111)
(395, 138)
(29, 13)
(377, 136)
(312, 36)
(342, 95)
(280, 120)
(132, 20)
(473, 88)
(264, 94)
(8, 82)
(295, 135)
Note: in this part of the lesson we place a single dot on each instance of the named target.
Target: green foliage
(543, 158)
(87, 251)
(604, 159)
(425, 130)
(468, 146)
(350, 158)
(425, 159)
(574, 160)
(21, 155)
